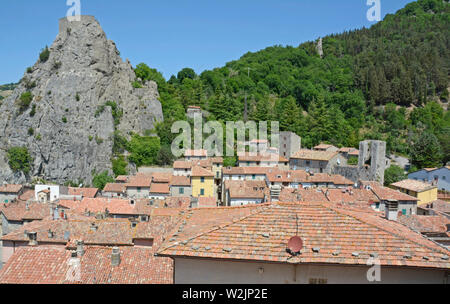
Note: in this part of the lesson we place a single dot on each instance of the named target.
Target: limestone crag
(65, 128)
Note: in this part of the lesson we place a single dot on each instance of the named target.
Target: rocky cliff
(66, 127)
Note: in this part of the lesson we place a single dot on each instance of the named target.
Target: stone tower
(372, 160)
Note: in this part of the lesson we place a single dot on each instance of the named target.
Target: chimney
(32, 237)
(115, 256)
(50, 234)
(80, 248)
(94, 227)
(391, 210)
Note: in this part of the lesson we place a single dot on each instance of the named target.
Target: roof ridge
(384, 229)
(215, 228)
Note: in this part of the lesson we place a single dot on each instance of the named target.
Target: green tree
(394, 174)
(143, 149)
(100, 180)
(19, 159)
(425, 150)
(119, 165)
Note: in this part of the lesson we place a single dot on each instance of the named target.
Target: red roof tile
(315, 155)
(201, 172)
(115, 188)
(85, 192)
(263, 235)
(159, 188)
(10, 188)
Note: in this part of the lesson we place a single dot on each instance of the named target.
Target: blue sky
(172, 34)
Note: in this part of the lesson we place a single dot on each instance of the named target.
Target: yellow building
(202, 181)
(424, 192)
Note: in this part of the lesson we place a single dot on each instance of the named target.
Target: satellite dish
(295, 245)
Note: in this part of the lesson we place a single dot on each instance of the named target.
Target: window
(202, 179)
(443, 177)
(139, 189)
(181, 191)
(404, 211)
(308, 163)
(253, 176)
(377, 205)
(202, 191)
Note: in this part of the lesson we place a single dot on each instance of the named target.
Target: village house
(180, 186)
(9, 193)
(202, 181)
(263, 160)
(190, 155)
(159, 191)
(83, 192)
(115, 190)
(326, 148)
(316, 161)
(349, 152)
(139, 187)
(241, 192)
(439, 177)
(49, 193)
(404, 203)
(252, 245)
(424, 192)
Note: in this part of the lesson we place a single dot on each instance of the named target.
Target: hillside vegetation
(388, 82)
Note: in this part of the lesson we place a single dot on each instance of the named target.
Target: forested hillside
(387, 82)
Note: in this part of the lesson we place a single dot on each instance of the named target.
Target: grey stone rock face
(66, 135)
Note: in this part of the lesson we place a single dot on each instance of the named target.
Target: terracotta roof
(351, 195)
(216, 160)
(338, 236)
(106, 232)
(18, 211)
(324, 146)
(181, 164)
(354, 153)
(161, 177)
(27, 195)
(99, 204)
(248, 170)
(180, 181)
(347, 150)
(115, 187)
(139, 181)
(314, 155)
(85, 192)
(269, 157)
(413, 185)
(384, 193)
(197, 153)
(425, 223)
(201, 172)
(159, 188)
(304, 195)
(329, 178)
(439, 205)
(49, 265)
(9, 188)
(247, 189)
(207, 202)
(193, 107)
(122, 178)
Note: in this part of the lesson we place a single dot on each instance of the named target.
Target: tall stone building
(290, 143)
